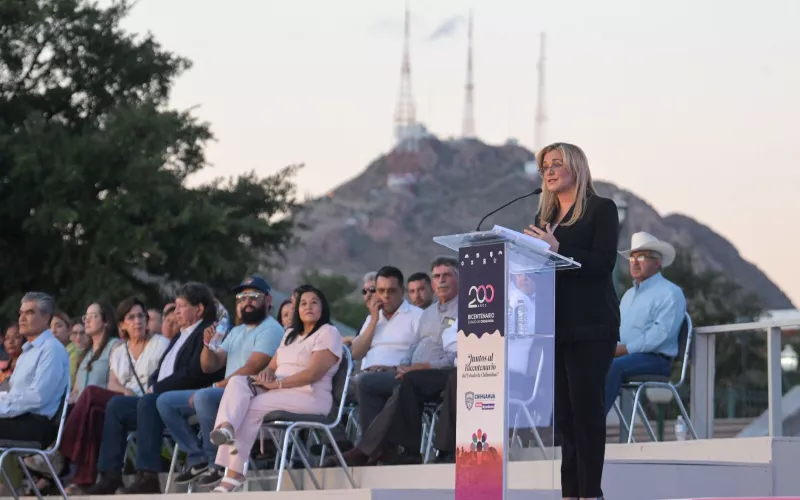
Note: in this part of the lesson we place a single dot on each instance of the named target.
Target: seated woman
(298, 380)
(130, 363)
(13, 347)
(285, 313)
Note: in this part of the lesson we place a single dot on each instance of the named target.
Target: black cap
(256, 282)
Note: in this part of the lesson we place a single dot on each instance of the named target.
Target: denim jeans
(123, 415)
(633, 365)
(175, 411)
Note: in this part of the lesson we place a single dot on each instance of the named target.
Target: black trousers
(580, 377)
(29, 427)
(416, 389)
(445, 437)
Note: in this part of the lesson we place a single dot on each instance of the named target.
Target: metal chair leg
(647, 425)
(633, 413)
(682, 409)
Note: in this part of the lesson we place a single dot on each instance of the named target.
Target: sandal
(234, 484)
(222, 436)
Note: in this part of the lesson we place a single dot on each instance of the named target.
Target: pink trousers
(245, 414)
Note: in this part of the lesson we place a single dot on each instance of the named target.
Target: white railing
(703, 371)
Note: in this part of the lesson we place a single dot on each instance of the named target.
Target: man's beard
(255, 316)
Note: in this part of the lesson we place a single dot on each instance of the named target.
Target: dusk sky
(691, 104)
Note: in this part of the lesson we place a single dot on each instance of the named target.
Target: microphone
(534, 192)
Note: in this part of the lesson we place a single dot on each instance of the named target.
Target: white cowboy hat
(646, 241)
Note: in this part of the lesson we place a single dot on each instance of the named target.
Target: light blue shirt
(243, 340)
(40, 379)
(652, 313)
(99, 374)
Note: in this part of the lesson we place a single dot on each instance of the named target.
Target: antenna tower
(405, 117)
(541, 112)
(469, 100)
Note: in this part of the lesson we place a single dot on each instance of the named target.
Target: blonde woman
(579, 224)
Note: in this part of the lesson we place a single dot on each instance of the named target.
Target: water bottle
(510, 322)
(216, 341)
(521, 313)
(680, 429)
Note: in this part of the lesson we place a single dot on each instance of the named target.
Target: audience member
(285, 313)
(389, 330)
(179, 369)
(427, 353)
(29, 409)
(652, 313)
(169, 323)
(12, 343)
(420, 291)
(246, 350)
(154, 321)
(298, 380)
(367, 293)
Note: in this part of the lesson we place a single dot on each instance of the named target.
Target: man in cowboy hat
(652, 312)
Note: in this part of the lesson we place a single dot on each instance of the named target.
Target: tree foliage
(339, 291)
(94, 165)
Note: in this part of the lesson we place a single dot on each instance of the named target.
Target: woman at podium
(579, 224)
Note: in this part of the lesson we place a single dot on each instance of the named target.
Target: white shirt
(450, 340)
(392, 338)
(168, 366)
(144, 365)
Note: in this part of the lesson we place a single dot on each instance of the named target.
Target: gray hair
(370, 276)
(44, 302)
(445, 261)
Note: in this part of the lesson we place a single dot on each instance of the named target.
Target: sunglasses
(241, 297)
(365, 291)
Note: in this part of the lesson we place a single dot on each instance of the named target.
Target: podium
(506, 345)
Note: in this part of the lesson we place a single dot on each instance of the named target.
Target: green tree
(339, 291)
(94, 164)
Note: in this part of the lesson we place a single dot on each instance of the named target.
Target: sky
(691, 104)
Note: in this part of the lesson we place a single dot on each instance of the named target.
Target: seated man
(179, 369)
(652, 313)
(420, 290)
(29, 409)
(427, 365)
(246, 350)
(385, 338)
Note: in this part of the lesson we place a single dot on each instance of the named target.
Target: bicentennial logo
(480, 296)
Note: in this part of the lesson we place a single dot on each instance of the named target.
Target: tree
(339, 291)
(93, 168)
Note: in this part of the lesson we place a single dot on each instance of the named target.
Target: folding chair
(638, 384)
(430, 415)
(290, 425)
(523, 409)
(25, 448)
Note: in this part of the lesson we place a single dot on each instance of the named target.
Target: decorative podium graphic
(481, 431)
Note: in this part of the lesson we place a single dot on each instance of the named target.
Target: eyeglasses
(241, 297)
(555, 167)
(365, 291)
(89, 316)
(641, 258)
(134, 317)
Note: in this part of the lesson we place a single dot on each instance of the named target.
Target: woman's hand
(546, 236)
(265, 377)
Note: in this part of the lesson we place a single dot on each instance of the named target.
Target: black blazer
(586, 302)
(187, 373)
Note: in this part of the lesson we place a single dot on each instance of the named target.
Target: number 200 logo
(480, 295)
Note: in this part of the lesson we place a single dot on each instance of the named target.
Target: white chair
(522, 407)
(22, 449)
(638, 384)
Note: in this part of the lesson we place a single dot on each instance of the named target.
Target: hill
(362, 225)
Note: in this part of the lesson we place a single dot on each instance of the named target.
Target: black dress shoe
(443, 457)
(107, 484)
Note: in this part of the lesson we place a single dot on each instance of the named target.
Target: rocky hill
(362, 225)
